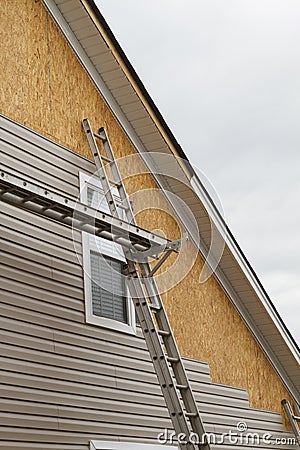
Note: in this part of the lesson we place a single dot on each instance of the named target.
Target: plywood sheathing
(45, 87)
(207, 327)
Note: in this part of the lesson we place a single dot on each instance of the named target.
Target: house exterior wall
(65, 383)
(44, 87)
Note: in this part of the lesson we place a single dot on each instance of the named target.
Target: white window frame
(130, 328)
(109, 445)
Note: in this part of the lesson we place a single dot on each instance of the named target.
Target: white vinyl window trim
(106, 445)
(92, 244)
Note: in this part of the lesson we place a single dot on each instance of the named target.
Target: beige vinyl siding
(65, 382)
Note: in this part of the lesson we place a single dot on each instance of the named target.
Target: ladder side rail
(293, 419)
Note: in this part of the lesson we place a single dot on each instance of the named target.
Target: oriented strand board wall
(44, 87)
(208, 327)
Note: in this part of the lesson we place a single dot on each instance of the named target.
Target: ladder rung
(154, 308)
(163, 333)
(182, 386)
(103, 138)
(116, 183)
(50, 207)
(106, 159)
(29, 198)
(171, 359)
(122, 207)
(68, 214)
(191, 414)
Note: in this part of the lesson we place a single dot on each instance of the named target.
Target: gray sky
(226, 77)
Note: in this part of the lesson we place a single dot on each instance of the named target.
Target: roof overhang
(99, 52)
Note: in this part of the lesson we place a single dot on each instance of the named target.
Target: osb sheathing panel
(207, 327)
(44, 87)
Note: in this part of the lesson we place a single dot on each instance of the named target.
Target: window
(107, 301)
(101, 445)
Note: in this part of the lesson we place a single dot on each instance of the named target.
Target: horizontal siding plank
(32, 242)
(19, 150)
(85, 390)
(58, 373)
(45, 271)
(22, 264)
(34, 175)
(42, 234)
(41, 270)
(76, 375)
(20, 216)
(29, 359)
(69, 437)
(34, 317)
(129, 405)
(34, 280)
(230, 422)
(113, 355)
(255, 414)
(222, 390)
(62, 412)
(46, 146)
(33, 330)
(196, 367)
(18, 406)
(37, 362)
(21, 342)
(48, 305)
(41, 258)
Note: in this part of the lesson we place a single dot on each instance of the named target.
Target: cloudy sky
(226, 77)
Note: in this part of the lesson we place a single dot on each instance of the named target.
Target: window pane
(108, 288)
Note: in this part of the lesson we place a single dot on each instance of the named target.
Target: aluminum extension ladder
(294, 419)
(149, 307)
